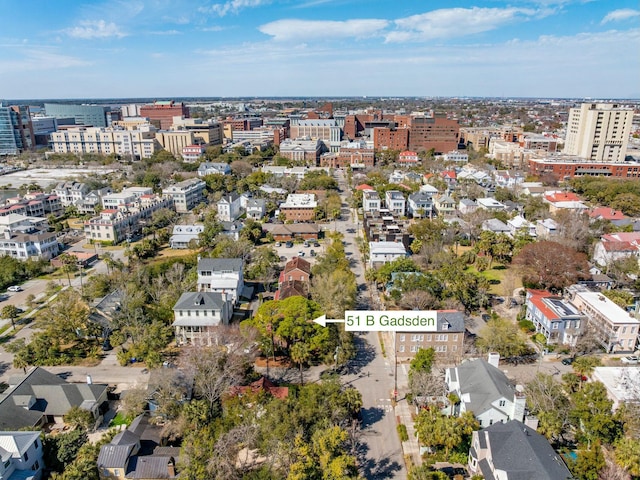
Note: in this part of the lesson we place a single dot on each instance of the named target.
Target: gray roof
(523, 453)
(52, 395)
(199, 301)
(495, 225)
(114, 456)
(220, 264)
(454, 318)
(150, 466)
(484, 383)
(17, 442)
(419, 197)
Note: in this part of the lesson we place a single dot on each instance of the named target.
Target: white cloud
(621, 14)
(89, 29)
(233, 6)
(454, 22)
(165, 32)
(40, 60)
(312, 29)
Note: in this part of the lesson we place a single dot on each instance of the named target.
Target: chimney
(171, 468)
(531, 422)
(494, 359)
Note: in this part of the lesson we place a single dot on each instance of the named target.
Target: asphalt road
(380, 453)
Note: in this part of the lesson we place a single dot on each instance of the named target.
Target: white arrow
(323, 320)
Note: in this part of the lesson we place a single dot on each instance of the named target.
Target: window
(401, 349)
(402, 337)
(36, 466)
(414, 348)
(26, 457)
(455, 338)
(36, 444)
(502, 403)
(491, 421)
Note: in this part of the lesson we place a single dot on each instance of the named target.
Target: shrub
(402, 432)
(527, 325)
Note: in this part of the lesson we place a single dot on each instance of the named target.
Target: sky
(283, 48)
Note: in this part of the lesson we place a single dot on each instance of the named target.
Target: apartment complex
(140, 143)
(447, 340)
(186, 194)
(615, 329)
(599, 132)
(300, 207)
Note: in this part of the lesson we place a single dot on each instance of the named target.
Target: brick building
(161, 113)
(447, 340)
(437, 132)
(570, 167)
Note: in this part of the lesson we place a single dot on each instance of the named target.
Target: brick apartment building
(447, 341)
(570, 167)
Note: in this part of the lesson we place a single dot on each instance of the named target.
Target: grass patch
(119, 419)
(384, 352)
(496, 276)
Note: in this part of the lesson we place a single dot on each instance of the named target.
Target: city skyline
(236, 48)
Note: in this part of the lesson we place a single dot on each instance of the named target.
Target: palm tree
(11, 312)
(300, 354)
(69, 264)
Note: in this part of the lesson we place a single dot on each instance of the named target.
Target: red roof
(537, 299)
(364, 186)
(408, 153)
(607, 213)
(449, 174)
(554, 197)
(297, 263)
(262, 385)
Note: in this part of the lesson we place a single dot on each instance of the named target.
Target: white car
(632, 359)
(14, 288)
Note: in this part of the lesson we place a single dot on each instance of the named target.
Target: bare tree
(226, 463)
(419, 300)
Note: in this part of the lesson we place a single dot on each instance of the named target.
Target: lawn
(119, 419)
(496, 276)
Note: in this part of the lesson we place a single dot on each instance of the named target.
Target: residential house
(213, 168)
(229, 207)
(286, 232)
(456, 156)
(447, 340)
(25, 242)
(486, 391)
(300, 207)
(615, 246)
(614, 328)
(135, 453)
(21, 456)
(291, 288)
(609, 214)
(429, 189)
(514, 451)
(518, 224)
(496, 226)
(256, 208)
(507, 179)
(297, 269)
(466, 205)
(371, 201)
(183, 236)
(445, 206)
(450, 177)
(557, 319)
(232, 229)
(396, 176)
(420, 205)
(564, 201)
(70, 192)
(92, 201)
(546, 229)
(395, 202)
(385, 252)
(408, 158)
(221, 275)
(186, 195)
(490, 204)
(40, 397)
(196, 314)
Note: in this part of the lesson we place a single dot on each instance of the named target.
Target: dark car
(316, 244)
(289, 244)
(568, 361)
(486, 317)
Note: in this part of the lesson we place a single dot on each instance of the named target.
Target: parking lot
(298, 249)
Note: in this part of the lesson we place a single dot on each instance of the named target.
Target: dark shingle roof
(199, 301)
(114, 456)
(220, 264)
(523, 453)
(150, 467)
(484, 383)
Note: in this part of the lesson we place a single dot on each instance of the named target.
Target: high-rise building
(599, 132)
(88, 115)
(16, 131)
(161, 113)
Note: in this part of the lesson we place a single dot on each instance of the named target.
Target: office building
(161, 113)
(599, 132)
(16, 130)
(88, 115)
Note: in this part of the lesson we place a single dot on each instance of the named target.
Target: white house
(385, 252)
(222, 275)
(519, 224)
(183, 235)
(546, 229)
(213, 168)
(371, 201)
(456, 156)
(186, 194)
(490, 204)
(256, 208)
(614, 246)
(420, 204)
(197, 313)
(21, 456)
(395, 202)
(229, 207)
(486, 391)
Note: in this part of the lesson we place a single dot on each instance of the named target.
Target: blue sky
(167, 48)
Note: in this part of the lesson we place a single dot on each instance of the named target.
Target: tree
(588, 463)
(79, 418)
(60, 450)
(551, 265)
(584, 366)
(11, 312)
(436, 430)
(335, 292)
(546, 399)
(502, 336)
(422, 361)
(69, 264)
(627, 455)
(591, 413)
(300, 354)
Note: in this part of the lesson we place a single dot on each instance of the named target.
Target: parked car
(316, 244)
(567, 361)
(14, 288)
(283, 259)
(312, 253)
(306, 244)
(631, 359)
(278, 244)
(301, 253)
(486, 317)
(289, 244)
